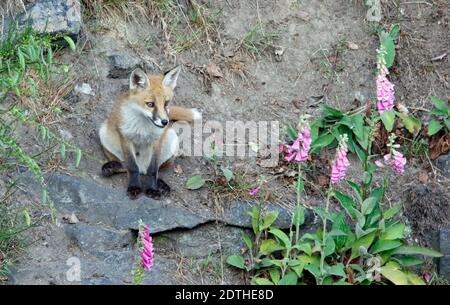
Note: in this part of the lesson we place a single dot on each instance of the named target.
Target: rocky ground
(324, 52)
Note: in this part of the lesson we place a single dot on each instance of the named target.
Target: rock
(444, 262)
(94, 203)
(121, 65)
(54, 17)
(83, 89)
(237, 215)
(443, 163)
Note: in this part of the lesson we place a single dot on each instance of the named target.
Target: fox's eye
(166, 103)
(151, 104)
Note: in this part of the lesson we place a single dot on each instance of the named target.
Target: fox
(138, 135)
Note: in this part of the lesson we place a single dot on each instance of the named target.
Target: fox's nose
(164, 122)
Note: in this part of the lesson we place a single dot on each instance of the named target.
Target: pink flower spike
(396, 161)
(254, 191)
(147, 250)
(299, 150)
(385, 93)
(341, 163)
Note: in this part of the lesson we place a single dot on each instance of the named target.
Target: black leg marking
(154, 187)
(111, 168)
(134, 185)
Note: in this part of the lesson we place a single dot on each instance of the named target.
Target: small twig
(440, 57)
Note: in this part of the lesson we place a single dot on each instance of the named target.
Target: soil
(314, 35)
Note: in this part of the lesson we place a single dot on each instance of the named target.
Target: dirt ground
(316, 62)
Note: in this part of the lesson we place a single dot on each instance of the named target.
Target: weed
(258, 40)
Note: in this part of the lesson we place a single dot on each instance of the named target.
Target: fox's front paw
(163, 190)
(133, 191)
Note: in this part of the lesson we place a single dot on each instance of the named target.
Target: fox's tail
(184, 114)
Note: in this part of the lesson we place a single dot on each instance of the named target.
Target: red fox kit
(138, 135)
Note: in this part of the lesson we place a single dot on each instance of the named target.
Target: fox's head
(151, 95)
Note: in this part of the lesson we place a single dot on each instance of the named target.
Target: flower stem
(299, 191)
(324, 235)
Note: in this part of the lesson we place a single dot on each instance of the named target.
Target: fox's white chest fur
(141, 133)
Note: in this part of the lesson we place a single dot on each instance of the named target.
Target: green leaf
(62, 150)
(434, 127)
(388, 118)
(236, 261)
(440, 104)
(70, 42)
(228, 174)
(298, 217)
(268, 246)
(275, 275)
(389, 46)
(408, 261)
(417, 250)
(330, 246)
(281, 236)
(195, 182)
(27, 217)
(384, 245)
(389, 213)
(255, 216)
(368, 205)
(313, 269)
(356, 190)
(330, 112)
(395, 30)
(21, 59)
(394, 232)
(305, 247)
(394, 274)
(338, 270)
(412, 124)
(247, 240)
(289, 279)
(263, 281)
(269, 219)
(347, 203)
(323, 141)
(78, 157)
(365, 241)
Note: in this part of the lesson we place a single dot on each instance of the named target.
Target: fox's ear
(138, 79)
(170, 78)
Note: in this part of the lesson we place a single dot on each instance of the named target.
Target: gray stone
(237, 214)
(121, 65)
(444, 262)
(443, 163)
(105, 206)
(54, 17)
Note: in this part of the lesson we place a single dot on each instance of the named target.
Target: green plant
(441, 114)
(258, 40)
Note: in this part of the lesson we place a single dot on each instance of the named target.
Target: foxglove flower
(254, 191)
(396, 161)
(147, 249)
(341, 163)
(385, 93)
(299, 150)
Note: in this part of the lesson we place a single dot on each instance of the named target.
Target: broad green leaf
(268, 246)
(417, 250)
(255, 215)
(394, 232)
(389, 46)
(389, 213)
(305, 247)
(330, 112)
(434, 127)
(263, 281)
(289, 279)
(298, 217)
(413, 278)
(408, 261)
(308, 259)
(384, 245)
(281, 236)
(365, 241)
(228, 174)
(356, 190)
(411, 123)
(347, 203)
(247, 240)
(330, 246)
(195, 182)
(269, 219)
(27, 217)
(313, 269)
(440, 104)
(368, 205)
(236, 261)
(275, 275)
(323, 141)
(70, 42)
(394, 274)
(395, 30)
(338, 270)
(388, 118)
